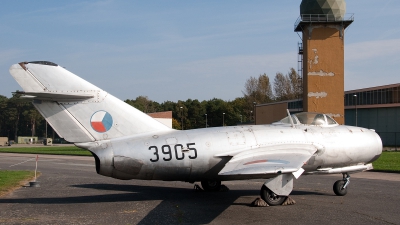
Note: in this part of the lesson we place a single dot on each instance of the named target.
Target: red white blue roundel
(101, 121)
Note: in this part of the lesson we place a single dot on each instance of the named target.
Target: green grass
(12, 179)
(49, 150)
(388, 162)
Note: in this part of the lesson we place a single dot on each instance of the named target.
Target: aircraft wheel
(338, 188)
(211, 185)
(270, 197)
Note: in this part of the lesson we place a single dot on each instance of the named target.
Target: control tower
(322, 24)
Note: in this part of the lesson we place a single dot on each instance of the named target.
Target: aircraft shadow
(178, 205)
(296, 193)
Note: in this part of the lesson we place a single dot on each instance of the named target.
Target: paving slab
(71, 192)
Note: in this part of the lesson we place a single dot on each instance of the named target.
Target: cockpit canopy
(309, 118)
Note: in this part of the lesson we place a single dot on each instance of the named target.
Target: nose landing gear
(340, 186)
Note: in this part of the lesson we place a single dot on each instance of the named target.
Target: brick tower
(322, 24)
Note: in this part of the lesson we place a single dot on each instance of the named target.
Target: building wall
(3, 141)
(385, 121)
(27, 140)
(267, 114)
(163, 117)
(323, 70)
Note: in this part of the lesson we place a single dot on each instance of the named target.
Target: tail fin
(78, 110)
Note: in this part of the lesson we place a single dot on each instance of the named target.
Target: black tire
(338, 188)
(211, 185)
(270, 197)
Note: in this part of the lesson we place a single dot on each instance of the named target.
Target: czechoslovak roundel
(101, 121)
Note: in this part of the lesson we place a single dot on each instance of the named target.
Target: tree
(175, 124)
(181, 114)
(195, 117)
(34, 118)
(239, 106)
(15, 107)
(3, 117)
(282, 87)
(144, 104)
(264, 87)
(289, 86)
(257, 91)
(296, 84)
(215, 109)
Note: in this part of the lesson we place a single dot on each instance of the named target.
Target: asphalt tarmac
(71, 192)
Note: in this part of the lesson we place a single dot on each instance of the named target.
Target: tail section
(76, 109)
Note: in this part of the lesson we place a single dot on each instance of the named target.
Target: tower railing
(323, 18)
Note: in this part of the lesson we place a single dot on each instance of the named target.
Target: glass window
(310, 118)
(319, 120)
(287, 120)
(330, 120)
(305, 117)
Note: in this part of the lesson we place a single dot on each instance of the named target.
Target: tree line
(18, 117)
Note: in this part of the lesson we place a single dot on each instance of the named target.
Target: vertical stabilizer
(78, 110)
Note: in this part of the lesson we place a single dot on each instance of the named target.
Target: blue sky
(176, 50)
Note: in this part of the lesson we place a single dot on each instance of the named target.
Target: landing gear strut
(340, 186)
(211, 185)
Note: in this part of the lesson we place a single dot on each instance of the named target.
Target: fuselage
(190, 155)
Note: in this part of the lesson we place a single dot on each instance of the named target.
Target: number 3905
(167, 152)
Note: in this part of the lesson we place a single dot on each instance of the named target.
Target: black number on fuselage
(168, 152)
(177, 154)
(155, 153)
(193, 149)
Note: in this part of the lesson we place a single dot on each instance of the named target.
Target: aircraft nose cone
(378, 148)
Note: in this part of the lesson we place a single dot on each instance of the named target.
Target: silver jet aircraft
(128, 144)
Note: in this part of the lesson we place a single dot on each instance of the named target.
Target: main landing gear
(340, 186)
(270, 197)
(211, 185)
(274, 191)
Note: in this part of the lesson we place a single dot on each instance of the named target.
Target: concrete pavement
(72, 193)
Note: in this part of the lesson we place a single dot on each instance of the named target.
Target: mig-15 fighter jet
(128, 144)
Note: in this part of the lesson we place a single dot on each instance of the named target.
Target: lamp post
(241, 118)
(255, 112)
(223, 119)
(355, 97)
(206, 119)
(181, 117)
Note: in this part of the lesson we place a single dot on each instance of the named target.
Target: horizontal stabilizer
(269, 160)
(48, 96)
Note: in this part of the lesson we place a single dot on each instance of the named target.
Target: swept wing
(275, 159)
